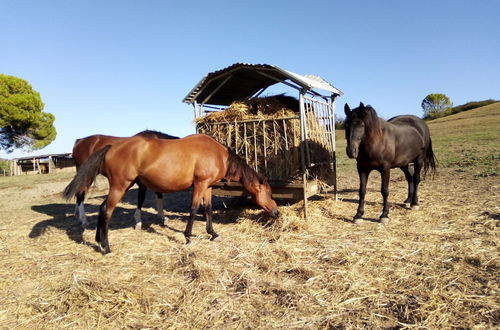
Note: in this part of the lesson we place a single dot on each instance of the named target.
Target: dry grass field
(435, 268)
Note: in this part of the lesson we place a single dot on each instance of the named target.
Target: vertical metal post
(255, 147)
(236, 136)
(334, 155)
(302, 149)
(265, 145)
(195, 105)
(245, 141)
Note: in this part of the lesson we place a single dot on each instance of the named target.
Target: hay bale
(266, 133)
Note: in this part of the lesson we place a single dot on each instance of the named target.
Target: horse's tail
(430, 161)
(86, 174)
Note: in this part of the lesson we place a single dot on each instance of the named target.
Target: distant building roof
(43, 156)
(241, 81)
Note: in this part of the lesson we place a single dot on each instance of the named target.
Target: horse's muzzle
(352, 152)
(274, 212)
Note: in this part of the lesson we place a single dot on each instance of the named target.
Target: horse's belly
(164, 183)
(404, 159)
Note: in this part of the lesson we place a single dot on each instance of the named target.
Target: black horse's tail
(430, 162)
(86, 174)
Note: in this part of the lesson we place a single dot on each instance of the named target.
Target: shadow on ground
(176, 205)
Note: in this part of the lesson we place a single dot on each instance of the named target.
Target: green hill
(469, 140)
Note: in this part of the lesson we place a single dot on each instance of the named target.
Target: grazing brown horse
(381, 145)
(196, 161)
(85, 147)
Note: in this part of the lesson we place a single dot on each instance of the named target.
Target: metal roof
(68, 154)
(241, 81)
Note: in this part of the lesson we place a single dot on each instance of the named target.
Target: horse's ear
(361, 105)
(347, 110)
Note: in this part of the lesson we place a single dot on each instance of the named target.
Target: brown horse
(381, 145)
(196, 161)
(85, 147)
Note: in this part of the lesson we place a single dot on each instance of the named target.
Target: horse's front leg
(386, 175)
(207, 201)
(363, 179)
(189, 227)
(196, 199)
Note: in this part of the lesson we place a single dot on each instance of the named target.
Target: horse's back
(406, 121)
(198, 148)
(84, 147)
(172, 165)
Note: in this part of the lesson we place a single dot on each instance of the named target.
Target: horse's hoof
(357, 221)
(138, 226)
(84, 225)
(384, 220)
(415, 207)
(164, 222)
(105, 250)
(215, 237)
(188, 240)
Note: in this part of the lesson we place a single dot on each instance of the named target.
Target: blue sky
(119, 67)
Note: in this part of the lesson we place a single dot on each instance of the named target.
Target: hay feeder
(290, 140)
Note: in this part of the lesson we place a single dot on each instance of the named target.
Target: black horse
(381, 145)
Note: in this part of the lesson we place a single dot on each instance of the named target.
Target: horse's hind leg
(159, 209)
(416, 181)
(409, 179)
(207, 202)
(141, 196)
(105, 213)
(386, 175)
(80, 211)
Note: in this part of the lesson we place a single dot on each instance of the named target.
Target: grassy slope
(433, 268)
(469, 139)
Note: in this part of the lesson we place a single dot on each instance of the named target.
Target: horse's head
(261, 195)
(361, 124)
(354, 128)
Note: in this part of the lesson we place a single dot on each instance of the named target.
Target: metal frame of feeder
(219, 89)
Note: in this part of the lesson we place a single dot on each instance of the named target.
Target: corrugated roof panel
(241, 81)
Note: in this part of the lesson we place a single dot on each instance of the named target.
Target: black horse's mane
(156, 134)
(369, 112)
(238, 169)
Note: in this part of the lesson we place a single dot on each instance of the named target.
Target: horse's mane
(372, 120)
(239, 170)
(156, 134)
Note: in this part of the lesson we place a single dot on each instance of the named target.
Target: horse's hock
(289, 140)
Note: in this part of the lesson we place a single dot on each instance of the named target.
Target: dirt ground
(435, 267)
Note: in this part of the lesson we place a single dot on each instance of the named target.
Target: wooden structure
(42, 164)
(271, 143)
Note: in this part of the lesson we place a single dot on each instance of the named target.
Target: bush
(4, 167)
